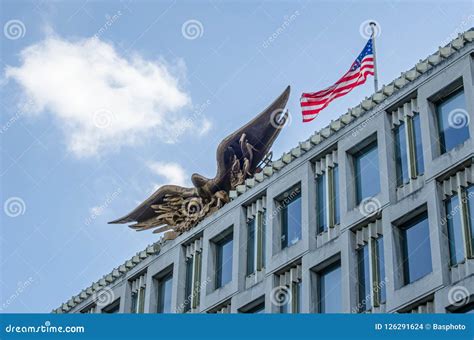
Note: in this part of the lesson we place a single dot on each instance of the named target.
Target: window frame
(466, 219)
(283, 206)
(356, 155)
(452, 91)
(375, 283)
(319, 278)
(412, 222)
(256, 245)
(327, 200)
(138, 301)
(219, 246)
(112, 308)
(161, 291)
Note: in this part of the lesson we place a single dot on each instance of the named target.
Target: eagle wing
(163, 208)
(260, 133)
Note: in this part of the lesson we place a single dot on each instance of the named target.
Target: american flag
(363, 66)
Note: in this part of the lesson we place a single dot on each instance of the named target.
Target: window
(192, 288)
(456, 244)
(363, 278)
(367, 178)
(113, 308)
(416, 249)
(466, 309)
(164, 293)
(453, 127)
(334, 195)
(379, 272)
(321, 203)
(371, 278)
(327, 197)
(469, 196)
(329, 290)
(401, 155)
(256, 236)
(259, 309)
(290, 215)
(224, 261)
(460, 224)
(138, 286)
(418, 167)
(294, 303)
(89, 309)
(288, 294)
(255, 307)
(408, 149)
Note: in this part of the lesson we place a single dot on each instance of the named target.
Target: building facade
(374, 213)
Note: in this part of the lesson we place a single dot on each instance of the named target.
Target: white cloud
(100, 99)
(172, 173)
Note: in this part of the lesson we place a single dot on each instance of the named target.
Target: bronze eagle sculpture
(239, 156)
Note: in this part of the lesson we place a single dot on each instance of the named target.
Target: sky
(104, 101)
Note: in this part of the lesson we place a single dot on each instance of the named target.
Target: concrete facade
(314, 252)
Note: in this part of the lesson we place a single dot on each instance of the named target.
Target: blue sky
(101, 102)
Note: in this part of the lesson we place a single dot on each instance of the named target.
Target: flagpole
(376, 79)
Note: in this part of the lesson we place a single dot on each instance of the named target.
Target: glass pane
(298, 298)
(416, 249)
(453, 217)
(470, 208)
(113, 308)
(452, 121)
(283, 296)
(363, 278)
(335, 178)
(250, 246)
(133, 308)
(224, 262)
(401, 157)
(420, 165)
(329, 296)
(141, 300)
(197, 279)
(188, 285)
(291, 222)
(367, 173)
(259, 309)
(382, 280)
(164, 294)
(321, 202)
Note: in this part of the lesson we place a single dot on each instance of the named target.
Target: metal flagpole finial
(372, 25)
